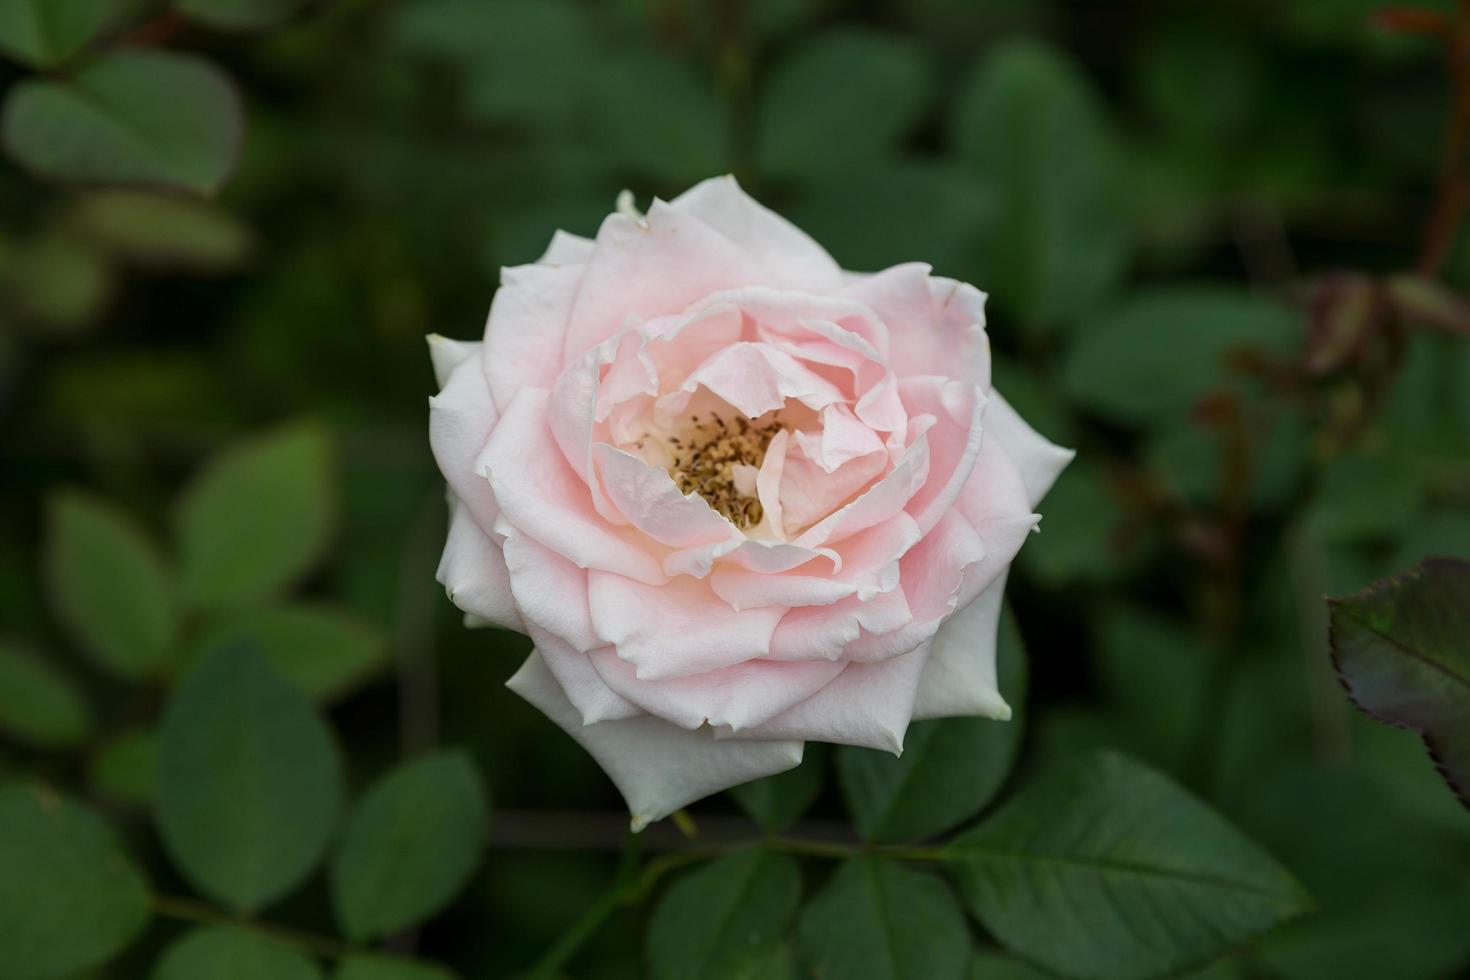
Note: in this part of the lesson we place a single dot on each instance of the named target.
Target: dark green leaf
(257, 517)
(1155, 356)
(70, 898)
(776, 802)
(839, 102)
(57, 283)
(1437, 533)
(369, 967)
(249, 783)
(719, 916)
(137, 116)
(37, 704)
(950, 767)
(1365, 496)
(126, 768)
(1030, 125)
(1402, 648)
(410, 845)
(227, 953)
(43, 33)
(238, 15)
(878, 920)
(108, 585)
(660, 119)
(1108, 869)
(163, 231)
(324, 652)
(1081, 537)
(994, 966)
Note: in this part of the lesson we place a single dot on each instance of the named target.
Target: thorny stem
(190, 910)
(1453, 195)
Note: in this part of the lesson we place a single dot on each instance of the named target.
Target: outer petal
(461, 418)
(566, 249)
(550, 590)
(1039, 460)
(959, 678)
(581, 683)
(678, 628)
(473, 573)
(867, 704)
(954, 442)
(540, 495)
(736, 697)
(937, 325)
(789, 257)
(527, 327)
(657, 766)
(822, 632)
(446, 354)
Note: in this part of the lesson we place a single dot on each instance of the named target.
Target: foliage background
(1152, 192)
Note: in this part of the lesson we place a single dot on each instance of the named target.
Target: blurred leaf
(70, 899)
(126, 768)
(776, 802)
(372, 967)
(1364, 496)
(878, 920)
(1108, 869)
(1439, 533)
(249, 782)
(660, 119)
(1031, 126)
(911, 211)
(410, 845)
(108, 584)
(840, 101)
(322, 651)
(37, 704)
(950, 767)
(717, 917)
(163, 231)
(43, 33)
(257, 517)
(238, 15)
(524, 61)
(996, 966)
(1079, 538)
(57, 281)
(1402, 649)
(136, 116)
(1186, 456)
(1151, 359)
(220, 952)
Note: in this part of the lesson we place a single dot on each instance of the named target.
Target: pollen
(705, 458)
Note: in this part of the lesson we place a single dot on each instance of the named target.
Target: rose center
(718, 459)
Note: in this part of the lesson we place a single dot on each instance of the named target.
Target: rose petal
(566, 249)
(735, 697)
(959, 678)
(937, 325)
(446, 354)
(581, 683)
(675, 629)
(1039, 460)
(648, 499)
(550, 590)
(461, 418)
(658, 767)
(527, 327)
(823, 632)
(539, 494)
(473, 573)
(954, 442)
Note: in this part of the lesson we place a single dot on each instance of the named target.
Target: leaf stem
(192, 910)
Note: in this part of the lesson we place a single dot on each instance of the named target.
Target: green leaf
(163, 231)
(1365, 496)
(322, 651)
(1402, 649)
(136, 116)
(1031, 127)
(249, 783)
(878, 920)
(108, 585)
(950, 767)
(37, 704)
(1107, 869)
(994, 966)
(257, 517)
(43, 33)
(723, 914)
(238, 15)
(57, 282)
(221, 952)
(776, 802)
(1154, 357)
(1081, 539)
(410, 845)
(70, 899)
(126, 768)
(659, 118)
(371, 967)
(839, 102)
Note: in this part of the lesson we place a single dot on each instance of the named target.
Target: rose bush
(738, 497)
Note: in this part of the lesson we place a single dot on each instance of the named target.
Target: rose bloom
(738, 497)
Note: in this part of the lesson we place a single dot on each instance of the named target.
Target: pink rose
(738, 497)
